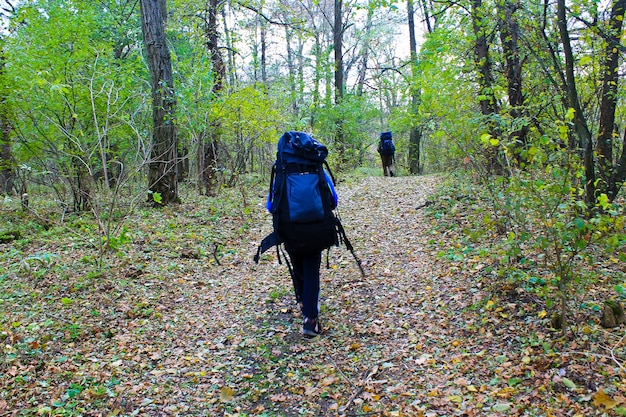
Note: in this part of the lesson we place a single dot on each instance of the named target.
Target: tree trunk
(7, 170)
(415, 133)
(488, 101)
(162, 168)
(339, 87)
(338, 49)
(291, 67)
(7, 164)
(263, 51)
(610, 179)
(317, 78)
(209, 161)
(509, 36)
(430, 27)
(580, 124)
(230, 49)
(362, 71)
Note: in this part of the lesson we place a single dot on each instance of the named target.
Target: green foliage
(447, 114)
(72, 99)
(541, 233)
(354, 117)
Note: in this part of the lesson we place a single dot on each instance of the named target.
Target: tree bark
(338, 49)
(611, 178)
(580, 124)
(7, 170)
(162, 178)
(209, 147)
(362, 71)
(415, 133)
(339, 87)
(488, 102)
(509, 36)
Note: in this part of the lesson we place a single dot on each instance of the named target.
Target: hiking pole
(346, 241)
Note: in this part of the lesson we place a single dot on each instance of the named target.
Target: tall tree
(339, 83)
(509, 38)
(612, 174)
(573, 101)
(338, 51)
(7, 169)
(415, 132)
(482, 60)
(365, 51)
(162, 177)
(208, 150)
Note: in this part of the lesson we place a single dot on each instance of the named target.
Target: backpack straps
(344, 239)
(330, 173)
(270, 240)
(296, 284)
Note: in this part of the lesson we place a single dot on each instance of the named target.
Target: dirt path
(240, 345)
(379, 330)
(174, 332)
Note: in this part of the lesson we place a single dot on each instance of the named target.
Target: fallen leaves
(425, 334)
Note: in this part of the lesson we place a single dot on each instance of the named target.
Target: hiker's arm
(270, 196)
(332, 189)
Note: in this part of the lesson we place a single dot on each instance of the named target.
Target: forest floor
(183, 323)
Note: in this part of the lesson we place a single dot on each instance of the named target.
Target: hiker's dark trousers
(387, 161)
(306, 271)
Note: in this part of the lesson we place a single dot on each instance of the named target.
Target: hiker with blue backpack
(301, 199)
(387, 151)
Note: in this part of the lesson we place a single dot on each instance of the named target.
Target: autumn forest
(136, 143)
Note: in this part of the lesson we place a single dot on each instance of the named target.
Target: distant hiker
(387, 151)
(302, 198)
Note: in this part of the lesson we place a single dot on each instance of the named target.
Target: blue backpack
(301, 198)
(386, 145)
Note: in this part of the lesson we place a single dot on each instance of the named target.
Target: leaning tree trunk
(162, 177)
(580, 123)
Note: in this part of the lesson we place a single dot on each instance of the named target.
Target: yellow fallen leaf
(433, 393)
(542, 314)
(227, 394)
(601, 398)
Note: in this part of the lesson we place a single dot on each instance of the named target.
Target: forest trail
(173, 332)
(390, 339)
(379, 331)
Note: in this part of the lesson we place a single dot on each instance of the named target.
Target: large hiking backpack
(386, 145)
(301, 200)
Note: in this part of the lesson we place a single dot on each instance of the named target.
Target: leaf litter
(185, 324)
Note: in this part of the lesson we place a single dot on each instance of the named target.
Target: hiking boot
(311, 328)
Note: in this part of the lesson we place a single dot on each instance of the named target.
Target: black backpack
(386, 145)
(301, 199)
